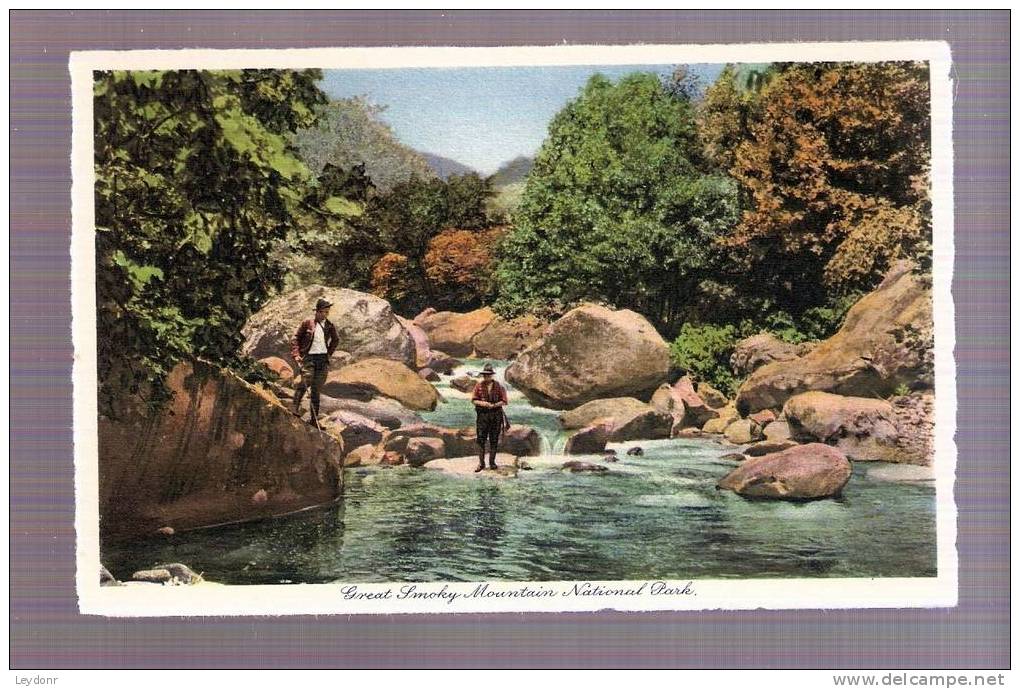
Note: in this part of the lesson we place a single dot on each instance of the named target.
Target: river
(654, 516)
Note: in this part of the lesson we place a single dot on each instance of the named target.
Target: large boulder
(651, 424)
(885, 342)
(503, 339)
(202, 458)
(804, 472)
(441, 362)
(521, 441)
(366, 325)
(387, 378)
(591, 353)
(422, 346)
(453, 332)
(864, 429)
(619, 410)
(756, 351)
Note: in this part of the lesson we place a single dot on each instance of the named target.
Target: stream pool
(654, 516)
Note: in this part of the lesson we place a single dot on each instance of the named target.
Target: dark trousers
(314, 368)
(488, 426)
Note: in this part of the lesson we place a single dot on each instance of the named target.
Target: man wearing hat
(312, 346)
(489, 399)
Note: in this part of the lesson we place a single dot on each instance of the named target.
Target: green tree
(616, 208)
(195, 184)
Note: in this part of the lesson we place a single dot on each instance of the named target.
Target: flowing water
(653, 516)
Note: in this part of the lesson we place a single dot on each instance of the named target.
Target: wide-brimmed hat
(322, 304)
(487, 370)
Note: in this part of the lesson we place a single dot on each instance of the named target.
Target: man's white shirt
(318, 340)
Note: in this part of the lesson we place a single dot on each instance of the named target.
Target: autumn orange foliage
(391, 277)
(458, 263)
(836, 168)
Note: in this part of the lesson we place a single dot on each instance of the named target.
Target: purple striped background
(47, 632)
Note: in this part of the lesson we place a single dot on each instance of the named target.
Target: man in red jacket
(313, 344)
(489, 398)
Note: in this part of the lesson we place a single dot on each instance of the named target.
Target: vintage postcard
(457, 330)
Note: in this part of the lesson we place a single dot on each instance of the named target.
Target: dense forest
(767, 200)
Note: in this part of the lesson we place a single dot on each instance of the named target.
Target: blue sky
(479, 116)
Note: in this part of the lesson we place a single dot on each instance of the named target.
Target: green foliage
(195, 185)
(703, 352)
(615, 208)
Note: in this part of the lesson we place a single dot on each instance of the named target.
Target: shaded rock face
(200, 460)
(767, 447)
(592, 353)
(915, 421)
(649, 425)
(864, 429)
(366, 324)
(712, 397)
(422, 347)
(756, 351)
(589, 440)
(387, 378)
(503, 339)
(804, 472)
(885, 342)
(453, 332)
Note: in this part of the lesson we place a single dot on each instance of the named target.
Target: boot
(481, 461)
(492, 460)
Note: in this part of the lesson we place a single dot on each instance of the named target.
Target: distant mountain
(445, 167)
(512, 171)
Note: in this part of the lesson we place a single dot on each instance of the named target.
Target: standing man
(314, 343)
(489, 399)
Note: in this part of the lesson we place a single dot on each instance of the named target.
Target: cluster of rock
(170, 574)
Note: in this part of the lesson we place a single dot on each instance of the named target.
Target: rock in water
(365, 455)
(590, 439)
(805, 472)
(197, 461)
(502, 339)
(387, 378)
(635, 452)
(463, 383)
(885, 342)
(419, 451)
(355, 429)
(767, 447)
(442, 363)
(618, 410)
(591, 353)
(578, 467)
(756, 351)
(453, 332)
(366, 325)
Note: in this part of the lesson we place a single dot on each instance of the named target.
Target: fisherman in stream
(313, 344)
(489, 398)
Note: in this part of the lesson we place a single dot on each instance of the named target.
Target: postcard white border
(705, 594)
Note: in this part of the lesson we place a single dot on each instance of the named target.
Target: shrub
(703, 352)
